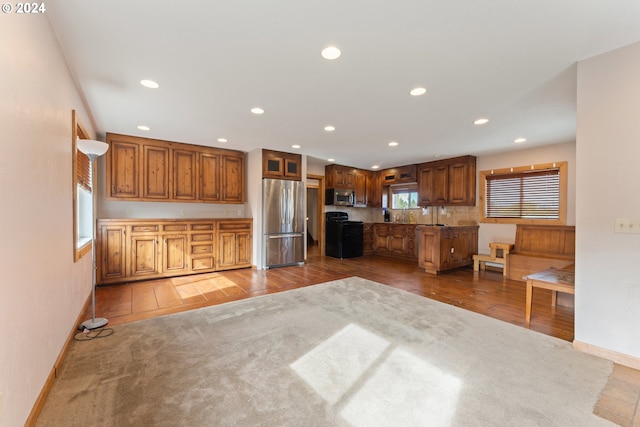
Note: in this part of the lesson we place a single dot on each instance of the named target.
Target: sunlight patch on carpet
(405, 390)
(336, 364)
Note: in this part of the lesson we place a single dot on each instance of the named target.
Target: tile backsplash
(451, 215)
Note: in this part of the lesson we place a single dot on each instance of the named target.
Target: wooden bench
(539, 247)
(499, 255)
(554, 279)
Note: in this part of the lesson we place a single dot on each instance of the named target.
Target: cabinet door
(184, 174)
(425, 186)
(226, 250)
(462, 181)
(155, 172)
(374, 190)
(397, 241)
(122, 170)
(292, 168)
(209, 177)
(110, 255)
(360, 187)
(174, 253)
(429, 250)
(144, 255)
(272, 165)
(381, 238)
(232, 185)
(458, 183)
(440, 189)
(243, 249)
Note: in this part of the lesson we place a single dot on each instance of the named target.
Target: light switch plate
(627, 225)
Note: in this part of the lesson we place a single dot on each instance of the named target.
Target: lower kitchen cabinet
(445, 248)
(129, 250)
(392, 239)
(234, 244)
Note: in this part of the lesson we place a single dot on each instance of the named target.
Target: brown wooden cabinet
(450, 182)
(123, 165)
(367, 238)
(445, 248)
(234, 244)
(339, 177)
(374, 189)
(172, 171)
(280, 165)
(147, 249)
(348, 178)
(392, 239)
(399, 175)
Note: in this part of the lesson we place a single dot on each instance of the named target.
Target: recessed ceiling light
(329, 128)
(257, 110)
(331, 160)
(481, 121)
(375, 167)
(144, 127)
(150, 84)
(418, 91)
(295, 146)
(222, 139)
(520, 140)
(331, 52)
(393, 144)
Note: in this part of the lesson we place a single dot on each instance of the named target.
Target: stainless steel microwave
(339, 197)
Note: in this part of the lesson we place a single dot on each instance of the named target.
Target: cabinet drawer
(202, 263)
(234, 226)
(198, 227)
(202, 237)
(201, 249)
(175, 227)
(144, 228)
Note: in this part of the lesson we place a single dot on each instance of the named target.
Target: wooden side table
(554, 279)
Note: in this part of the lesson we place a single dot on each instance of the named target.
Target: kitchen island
(442, 248)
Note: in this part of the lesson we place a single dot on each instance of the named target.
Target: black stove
(343, 238)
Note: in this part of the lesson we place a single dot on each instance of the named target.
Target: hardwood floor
(484, 292)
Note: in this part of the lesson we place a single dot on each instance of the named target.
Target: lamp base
(98, 322)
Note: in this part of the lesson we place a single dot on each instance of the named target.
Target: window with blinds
(525, 195)
(83, 170)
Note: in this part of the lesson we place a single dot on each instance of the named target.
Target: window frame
(562, 213)
(409, 188)
(78, 131)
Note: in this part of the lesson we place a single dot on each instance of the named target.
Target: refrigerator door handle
(282, 236)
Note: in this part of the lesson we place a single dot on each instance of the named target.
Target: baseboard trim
(614, 356)
(42, 397)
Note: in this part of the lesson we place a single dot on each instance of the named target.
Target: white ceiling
(512, 61)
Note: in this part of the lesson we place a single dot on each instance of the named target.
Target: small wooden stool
(499, 255)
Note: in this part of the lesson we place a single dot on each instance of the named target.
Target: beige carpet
(345, 353)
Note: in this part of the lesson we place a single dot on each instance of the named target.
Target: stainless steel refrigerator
(283, 222)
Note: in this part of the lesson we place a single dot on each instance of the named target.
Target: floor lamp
(93, 150)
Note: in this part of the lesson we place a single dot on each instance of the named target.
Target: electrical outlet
(627, 225)
(129, 212)
(239, 212)
(182, 212)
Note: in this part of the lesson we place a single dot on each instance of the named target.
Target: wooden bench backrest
(556, 241)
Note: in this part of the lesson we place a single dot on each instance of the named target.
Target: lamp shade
(92, 147)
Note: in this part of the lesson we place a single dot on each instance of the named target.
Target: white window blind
(527, 195)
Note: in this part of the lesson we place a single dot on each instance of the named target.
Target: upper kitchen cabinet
(144, 169)
(340, 177)
(123, 166)
(348, 178)
(450, 182)
(374, 189)
(280, 165)
(399, 175)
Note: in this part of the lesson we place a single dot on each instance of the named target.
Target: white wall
(42, 289)
(608, 152)
(548, 154)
